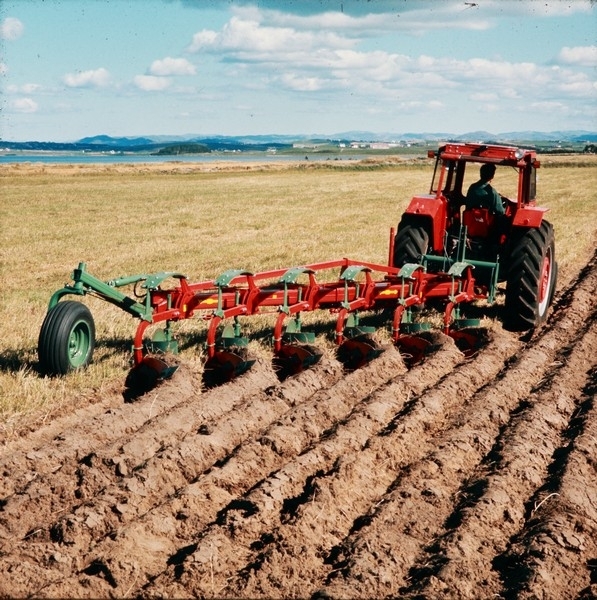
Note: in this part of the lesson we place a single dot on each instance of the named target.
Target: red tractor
(441, 229)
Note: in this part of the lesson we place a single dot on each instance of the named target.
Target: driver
(481, 195)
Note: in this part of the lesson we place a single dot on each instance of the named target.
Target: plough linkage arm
(84, 283)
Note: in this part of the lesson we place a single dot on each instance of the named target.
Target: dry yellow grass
(201, 220)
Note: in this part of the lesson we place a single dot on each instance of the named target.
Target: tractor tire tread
(411, 243)
(526, 260)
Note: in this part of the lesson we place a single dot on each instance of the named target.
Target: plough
(344, 287)
(67, 335)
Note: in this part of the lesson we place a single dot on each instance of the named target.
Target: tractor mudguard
(434, 211)
(529, 216)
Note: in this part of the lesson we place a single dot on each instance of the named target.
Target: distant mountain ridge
(565, 136)
(154, 143)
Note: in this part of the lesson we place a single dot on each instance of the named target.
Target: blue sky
(75, 68)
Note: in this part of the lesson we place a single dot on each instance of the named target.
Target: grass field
(203, 220)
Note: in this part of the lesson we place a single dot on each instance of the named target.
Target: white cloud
(172, 66)
(23, 105)
(11, 29)
(3, 69)
(26, 88)
(550, 107)
(302, 84)
(203, 39)
(295, 53)
(151, 83)
(250, 38)
(584, 56)
(581, 89)
(396, 18)
(88, 79)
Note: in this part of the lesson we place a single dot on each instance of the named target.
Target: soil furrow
(83, 432)
(460, 563)
(555, 554)
(247, 524)
(79, 479)
(424, 495)
(155, 482)
(457, 478)
(109, 494)
(358, 482)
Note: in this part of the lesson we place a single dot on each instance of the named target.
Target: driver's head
(487, 171)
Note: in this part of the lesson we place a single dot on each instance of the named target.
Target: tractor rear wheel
(531, 279)
(67, 338)
(410, 243)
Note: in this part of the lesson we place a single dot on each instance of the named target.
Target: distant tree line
(183, 149)
(590, 149)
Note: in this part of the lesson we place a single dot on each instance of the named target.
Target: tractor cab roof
(486, 153)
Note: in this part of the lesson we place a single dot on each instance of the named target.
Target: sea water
(108, 158)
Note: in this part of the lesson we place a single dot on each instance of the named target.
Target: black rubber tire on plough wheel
(67, 338)
(531, 280)
(410, 243)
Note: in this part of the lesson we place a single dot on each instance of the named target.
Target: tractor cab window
(532, 184)
(436, 176)
(505, 180)
(450, 182)
(444, 176)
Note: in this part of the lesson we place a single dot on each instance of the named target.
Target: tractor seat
(478, 222)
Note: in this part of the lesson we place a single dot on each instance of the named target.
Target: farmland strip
(250, 462)
(118, 505)
(421, 496)
(232, 540)
(81, 477)
(560, 532)
(460, 563)
(358, 481)
(77, 435)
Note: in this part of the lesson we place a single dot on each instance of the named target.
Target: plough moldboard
(163, 299)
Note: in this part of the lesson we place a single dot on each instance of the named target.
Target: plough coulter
(444, 253)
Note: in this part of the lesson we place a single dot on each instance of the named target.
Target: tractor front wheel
(531, 280)
(410, 243)
(67, 338)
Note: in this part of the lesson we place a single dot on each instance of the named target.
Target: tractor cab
(458, 166)
(439, 215)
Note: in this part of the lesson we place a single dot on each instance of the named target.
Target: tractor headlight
(518, 153)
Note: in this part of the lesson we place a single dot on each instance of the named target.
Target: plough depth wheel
(67, 338)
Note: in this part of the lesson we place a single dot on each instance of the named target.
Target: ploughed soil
(458, 477)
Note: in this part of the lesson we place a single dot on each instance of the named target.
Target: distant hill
(162, 143)
(106, 140)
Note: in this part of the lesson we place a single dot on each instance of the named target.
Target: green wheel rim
(79, 342)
